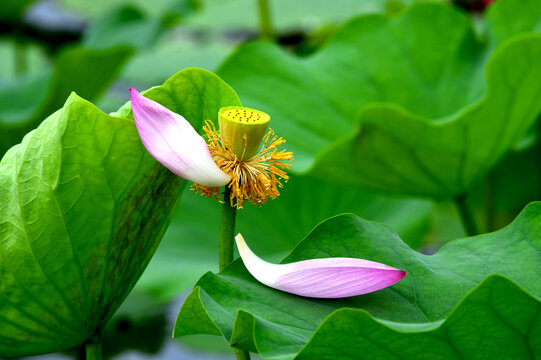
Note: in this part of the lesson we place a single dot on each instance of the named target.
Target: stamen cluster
(255, 179)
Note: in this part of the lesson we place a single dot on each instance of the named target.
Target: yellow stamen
(255, 179)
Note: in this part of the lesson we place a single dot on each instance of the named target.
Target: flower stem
(93, 350)
(466, 215)
(490, 216)
(227, 233)
(227, 230)
(242, 355)
(266, 31)
(21, 60)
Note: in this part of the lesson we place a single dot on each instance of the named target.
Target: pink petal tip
(172, 140)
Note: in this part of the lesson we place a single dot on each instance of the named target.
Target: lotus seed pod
(243, 129)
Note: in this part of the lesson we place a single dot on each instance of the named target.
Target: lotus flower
(172, 140)
(321, 278)
(231, 156)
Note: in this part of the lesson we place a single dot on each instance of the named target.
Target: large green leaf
(25, 104)
(278, 325)
(83, 209)
(190, 245)
(497, 320)
(402, 104)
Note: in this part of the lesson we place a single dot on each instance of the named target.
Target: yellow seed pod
(243, 129)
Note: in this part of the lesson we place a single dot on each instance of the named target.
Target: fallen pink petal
(321, 278)
(172, 140)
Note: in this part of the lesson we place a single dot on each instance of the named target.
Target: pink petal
(321, 278)
(171, 140)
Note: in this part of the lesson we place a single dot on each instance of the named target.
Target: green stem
(93, 350)
(490, 216)
(20, 57)
(466, 215)
(264, 20)
(242, 355)
(227, 230)
(227, 238)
